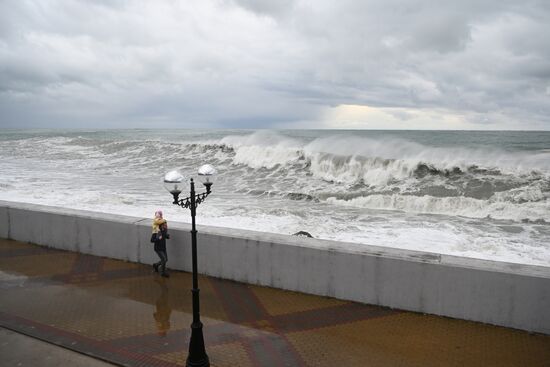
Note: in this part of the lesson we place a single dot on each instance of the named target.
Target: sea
(480, 194)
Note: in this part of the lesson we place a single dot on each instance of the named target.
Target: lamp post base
(197, 353)
(202, 363)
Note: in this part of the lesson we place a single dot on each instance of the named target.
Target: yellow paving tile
(408, 339)
(278, 302)
(229, 355)
(110, 264)
(225, 355)
(178, 358)
(39, 265)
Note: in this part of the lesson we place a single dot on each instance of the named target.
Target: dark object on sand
(303, 234)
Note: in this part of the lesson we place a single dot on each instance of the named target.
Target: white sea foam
(268, 157)
(467, 207)
(343, 187)
(263, 149)
(348, 169)
(441, 158)
(348, 159)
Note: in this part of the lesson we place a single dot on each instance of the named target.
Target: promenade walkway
(123, 313)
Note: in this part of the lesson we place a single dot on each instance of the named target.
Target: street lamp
(173, 182)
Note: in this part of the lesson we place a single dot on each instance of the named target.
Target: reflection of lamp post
(173, 181)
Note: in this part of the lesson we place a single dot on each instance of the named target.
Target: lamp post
(173, 182)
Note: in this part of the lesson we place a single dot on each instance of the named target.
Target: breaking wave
(344, 170)
(394, 174)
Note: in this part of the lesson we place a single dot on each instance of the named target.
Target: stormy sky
(358, 64)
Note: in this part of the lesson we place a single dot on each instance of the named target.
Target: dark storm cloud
(228, 63)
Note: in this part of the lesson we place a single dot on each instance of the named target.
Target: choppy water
(479, 194)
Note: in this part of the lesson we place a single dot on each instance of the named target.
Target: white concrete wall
(503, 294)
(4, 221)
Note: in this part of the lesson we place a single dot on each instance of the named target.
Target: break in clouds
(292, 63)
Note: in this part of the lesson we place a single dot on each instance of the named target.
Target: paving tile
(129, 315)
(276, 302)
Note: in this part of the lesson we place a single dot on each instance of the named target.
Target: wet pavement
(19, 350)
(124, 313)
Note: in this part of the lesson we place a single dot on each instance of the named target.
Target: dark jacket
(162, 236)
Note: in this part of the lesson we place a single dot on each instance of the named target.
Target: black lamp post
(173, 181)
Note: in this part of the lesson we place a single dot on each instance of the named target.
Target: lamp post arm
(187, 202)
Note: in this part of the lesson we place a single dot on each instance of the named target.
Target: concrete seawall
(510, 295)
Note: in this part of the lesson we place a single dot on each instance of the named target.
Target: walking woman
(159, 237)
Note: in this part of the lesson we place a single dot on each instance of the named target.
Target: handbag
(154, 238)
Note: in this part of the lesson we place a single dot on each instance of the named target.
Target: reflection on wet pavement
(125, 313)
(163, 308)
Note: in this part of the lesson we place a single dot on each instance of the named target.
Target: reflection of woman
(163, 309)
(160, 228)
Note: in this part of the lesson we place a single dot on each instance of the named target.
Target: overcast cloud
(409, 64)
